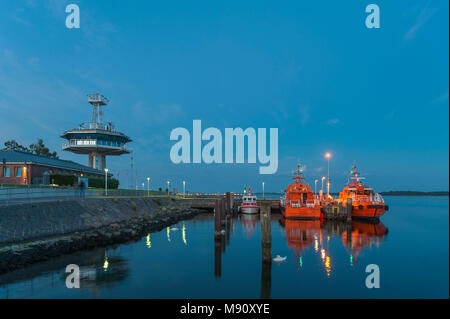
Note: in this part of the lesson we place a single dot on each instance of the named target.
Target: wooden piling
(266, 244)
(349, 209)
(223, 214)
(228, 203)
(218, 238)
(217, 217)
(266, 238)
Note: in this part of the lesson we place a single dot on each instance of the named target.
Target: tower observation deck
(96, 138)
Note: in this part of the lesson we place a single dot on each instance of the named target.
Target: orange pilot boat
(299, 201)
(365, 203)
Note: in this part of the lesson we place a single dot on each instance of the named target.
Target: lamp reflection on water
(148, 242)
(184, 234)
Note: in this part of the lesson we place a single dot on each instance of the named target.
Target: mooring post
(222, 213)
(217, 239)
(349, 209)
(266, 244)
(217, 218)
(266, 238)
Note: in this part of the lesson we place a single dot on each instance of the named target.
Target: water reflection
(301, 235)
(250, 223)
(104, 268)
(99, 268)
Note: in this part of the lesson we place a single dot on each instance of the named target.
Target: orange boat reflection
(363, 235)
(356, 236)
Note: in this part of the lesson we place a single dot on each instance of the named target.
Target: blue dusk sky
(312, 69)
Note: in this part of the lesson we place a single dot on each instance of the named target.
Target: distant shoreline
(396, 193)
(414, 193)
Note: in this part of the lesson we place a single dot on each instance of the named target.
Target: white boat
(249, 204)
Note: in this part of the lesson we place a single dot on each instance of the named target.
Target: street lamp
(323, 177)
(327, 156)
(184, 189)
(263, 189)
(168, 188)
(106, 181)
(315, 186)
(148, 186)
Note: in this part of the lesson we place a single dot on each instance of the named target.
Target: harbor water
(324, 260)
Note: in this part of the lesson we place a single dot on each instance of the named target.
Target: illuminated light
(148, 242)
(327, 155)
(184, 234)
(328, 266)
(168, 234)
(316, 245)
(322, 252)
(351, 260)
(105, 264)
(300, 260)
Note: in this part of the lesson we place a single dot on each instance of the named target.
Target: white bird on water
(174, 229)
(279, 259)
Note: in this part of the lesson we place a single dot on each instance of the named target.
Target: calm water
(323, 260)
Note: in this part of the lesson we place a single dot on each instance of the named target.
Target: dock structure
(337, 211)
(332, 211)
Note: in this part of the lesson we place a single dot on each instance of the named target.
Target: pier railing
(30, 193)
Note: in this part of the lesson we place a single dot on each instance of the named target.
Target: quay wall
(38, 231)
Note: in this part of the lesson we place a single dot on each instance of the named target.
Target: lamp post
(184, 189)
(106, 182)
(315, 186)
(327, 156)
(148, 186)
(168, 188)
(263, 189)
(323, 177)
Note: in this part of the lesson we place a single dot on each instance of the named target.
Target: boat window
(367, 192)
(360, 192)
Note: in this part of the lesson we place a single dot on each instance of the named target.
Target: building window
(19, 172)
(6, 172)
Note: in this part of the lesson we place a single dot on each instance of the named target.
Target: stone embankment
(34, 232)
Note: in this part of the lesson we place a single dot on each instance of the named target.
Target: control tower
(96, 138)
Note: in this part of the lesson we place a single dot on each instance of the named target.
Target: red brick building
(18, 167)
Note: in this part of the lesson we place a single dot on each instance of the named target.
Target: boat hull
(289, 212)
(249, 210)
(369, 211)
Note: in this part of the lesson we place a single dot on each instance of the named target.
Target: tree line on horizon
(38, 148)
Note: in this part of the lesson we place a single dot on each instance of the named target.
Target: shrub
(98, 182)
(63, 179)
